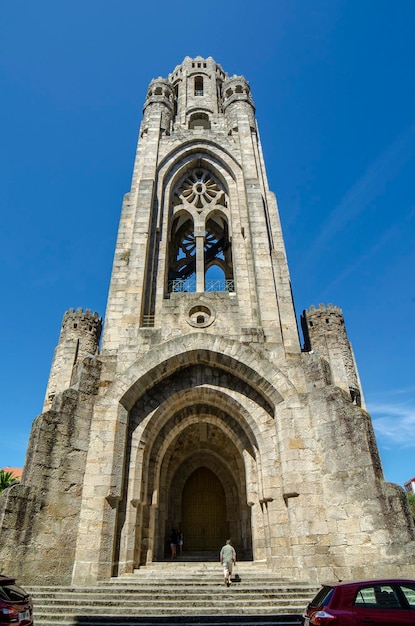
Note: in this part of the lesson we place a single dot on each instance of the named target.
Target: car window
(12, 593)
(323, 596)
(377, 597)
(409, 593)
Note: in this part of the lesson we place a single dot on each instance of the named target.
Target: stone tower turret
(158, 104)
(325, 333)
(237, 103)
(79, 337)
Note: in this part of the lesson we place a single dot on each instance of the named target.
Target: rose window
(199, 189)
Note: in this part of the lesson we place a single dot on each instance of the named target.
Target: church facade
(199, 408)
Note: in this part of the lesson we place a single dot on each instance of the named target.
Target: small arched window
(199, 86)
(199, 120)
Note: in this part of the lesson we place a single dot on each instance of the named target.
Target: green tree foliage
(411, 502)
(6, 480)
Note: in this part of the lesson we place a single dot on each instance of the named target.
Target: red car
(16, 606)
(365, 602)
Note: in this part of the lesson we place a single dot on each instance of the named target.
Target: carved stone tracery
(199, 210)
(201, 190)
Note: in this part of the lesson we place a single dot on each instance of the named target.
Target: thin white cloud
(394, 422)
(364, 191)
(360, 260)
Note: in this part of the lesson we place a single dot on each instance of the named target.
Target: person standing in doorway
(180, 538)
(228, 559)
(173, 543)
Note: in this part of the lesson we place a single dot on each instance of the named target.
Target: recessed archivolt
(203, 153)
(179, 451)
(210, 460)
(175, 169)
(154, 438)
(197, 384)
(217, 437)
(227, 475)
(177, 354)
(200, 414)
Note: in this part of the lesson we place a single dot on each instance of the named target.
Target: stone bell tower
(199, 235)
(201, 410)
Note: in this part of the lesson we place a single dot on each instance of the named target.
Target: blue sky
(333, 85)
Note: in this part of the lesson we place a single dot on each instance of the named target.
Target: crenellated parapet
(324, 332)
(79, 337)
(321, 320)
(82, 321)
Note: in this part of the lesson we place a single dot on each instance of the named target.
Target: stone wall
(39, 517)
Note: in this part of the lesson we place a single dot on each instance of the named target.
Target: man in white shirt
(228, 559)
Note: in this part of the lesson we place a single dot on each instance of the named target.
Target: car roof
(371, 581)
(6, 580)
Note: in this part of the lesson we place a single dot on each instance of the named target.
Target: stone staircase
(175, 592)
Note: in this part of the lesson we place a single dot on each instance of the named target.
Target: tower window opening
(182, 257)
(200, 262)
(218, 256)
(199, 86)
(176, 97)
(199, 120)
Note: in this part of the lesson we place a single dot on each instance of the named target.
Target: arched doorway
(204, 519)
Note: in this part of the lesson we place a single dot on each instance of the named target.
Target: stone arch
(179, 162)
(231, 356)
(200, 347)
(195, 527)
(225, 421)
(181, 257)
(172, 356)
(220, 251)
(196, 243)
(123, 505)
(194, 435)
(205, 154)
(199, 119)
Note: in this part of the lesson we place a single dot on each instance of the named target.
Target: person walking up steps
(228, 559)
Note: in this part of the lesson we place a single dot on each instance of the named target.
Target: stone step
(229, 620)
(164, 587)
(175, 593)
(190, 596)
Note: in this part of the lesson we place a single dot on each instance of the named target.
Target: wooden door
(204, 519)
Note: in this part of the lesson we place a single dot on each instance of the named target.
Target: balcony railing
(189, 285)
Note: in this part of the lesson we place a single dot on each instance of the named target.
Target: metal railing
(220, 285)
(147, 321)
(189, 285)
